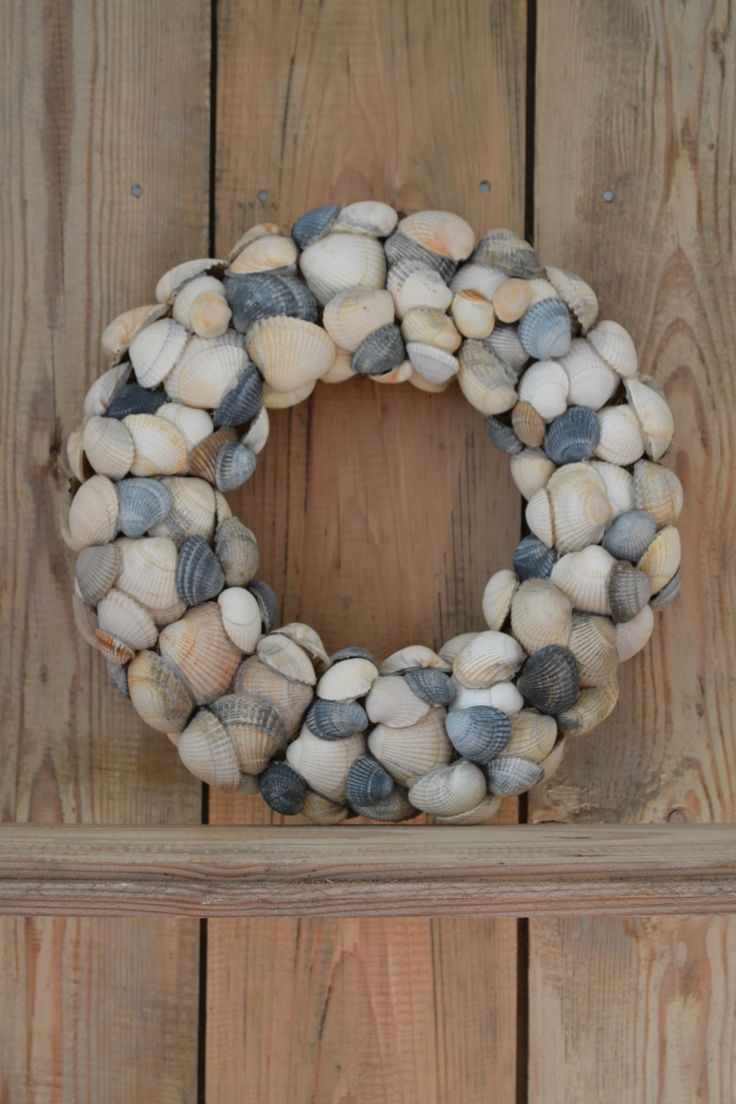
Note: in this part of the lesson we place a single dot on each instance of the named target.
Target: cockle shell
(451, 649)
(287, 657)
(194, 425)
(615, 346)
(480, 278)
(319, 810)
(497, 596)
(400, 374)
(580, 507)
(421, 384)
(505, 250)
(440, 232)
(222, 507)
(393, 808)
(96, 570)
(408, 753)
(528, 424)
(435, 366)
(544, 331)
(530, 471)
(449, 790)
(249, 235)
(118, 334)
(509, 775)
(266, 600)
(114, 650)
(550, 679)
(391, 701)
(540, 615)
(282, 788)
(631, 636)
(210, 314)
(108, 446)
(199, 646)
(533, 559)
(400, 248)
(341, 370)
(502, 436)
(414, 655)
(668, 593)
(578, 296)
(291, 699)
(188, 293)
(533, 736)
(629, 590)
(155, 350)
(324, 764)
(76, 461)
(431, 685)
(429, 326)
(281, 400)
(413, 285)
(593, 643)
(662, 558)
(630, 534)
(490, 657)
(125, 620)
(143, 504)
(573, 436)
(267, 294)
(207, 750)
(479, 732)
(243, 401)
(234, 465)
(353, 314)
(118, 677)
(160, 448)
(93, 513)
(237, 550)
(159, 692)
(309, 640)
(619, 486)
(381, 351)
(290, 352)
(486, 381)
(504, 342)
(257, 435)
(268, 252)
(255, 728)
(541, 288)
(203, 458)
(367, 782)
(479, 814)
(592, 382)
(241, 617)
(332, 720)
(654, 415)
(198, 572)
(340, 261)
(367, 217)
(583, 577)
(347, 680)
(591, 708)
(148, 572)
(314, 224)
(472, 313)
(180, 274)
(512, 299)
(191, 513)
(621, 441)
(206, 371)
(658, 490)
(131, 398)
(545, 386)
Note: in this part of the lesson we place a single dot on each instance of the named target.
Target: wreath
(166, 578)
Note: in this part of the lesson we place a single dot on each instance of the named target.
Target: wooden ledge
(517, 870)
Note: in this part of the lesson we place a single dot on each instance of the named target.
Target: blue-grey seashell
(367, 782)
(118, 676)
(545, 330)
(629, 590)
(505, 250)
(395, 807)
(256, 295)
(237, 550)
(143, 503)
(503, 436)
(314, 224)
(478, 733)
(234, 465)
(668, 593)
(353, 651)
(573, 436)
(334, 720)
(503, 340)
(550, 679)
(282, 788)
(134, 399)
(630, 534)
(533, 559)
(399, 248)
(267, 602)
(510, 775)
(243, 401)
(431, 685)
(379, 352)
(198, 574)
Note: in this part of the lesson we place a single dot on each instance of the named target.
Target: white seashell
(251, 235)
(583, 577)
(539, 518)
(478, 277)
(148, 573)
(429, 326)
(206, 371)
(284, 655)
(497, 595)
(182, 306)
(578, 296)
(257, 435)
(631, 636)
(479, 814)
(414, 655)
(473, 314)
(545, 386)
(533, 736)
(490, 657)
(422, 384)
(435, 366)
(593, 643)
(621, 440)
(289, 698)
(512, 299)
(654, 415)
(104, 389)
(400, 374)
(160, 448)
(440, 232)
(531, 470)
(281, 400)
(118, 334)
(155, 350)
(614, 344)
(192, 511)
(591, 709)
(541, 289)
(502, 695)
(658, 490)
(159, 693)
(351, 315)
(291, 353)
(309, 640)
(662, 558)
(367, 217)
(241, 617)
(449, 790)
(592, 382)
(580, 508)
(487, 383)
(619, 486)
(340, 261)
(540, 615)
(391, 701)
(452, 648)
(408, 753)
(324, 764)
(199, 646)
(75, 458)
(419, 287)
(126, 621)
(194, 425)
(347, 680)
(180, 274)
(210, 315)
(108, 446)
(207, 750)
(93, 513)
(265, 253)
(222, 508)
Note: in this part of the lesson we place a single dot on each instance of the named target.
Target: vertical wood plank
(648, 90)
(380, 514)
(105, 131)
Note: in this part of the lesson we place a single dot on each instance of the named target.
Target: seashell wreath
(166, 584)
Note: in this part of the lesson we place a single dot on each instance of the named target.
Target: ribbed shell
(540, 615)
(630, 534)
(148, 572)
(394, 808)
(104, 389)
(241, 617)
(497, 595)
(351, 315)
(267, 253)
(533, 735)
(629, 590)
(550, 680)
(631, 636)
(621, 441)
(449, 790)
(614, 345)
(579, 505)
(331, 720)
(134, 399)
(290, 352)
(285, 656)
(489, 657)
(528, 424)
(108, 446)
(198, 573)
(658, 490)
(576, 294)
(367, 782)
(619, 486)
(127, 621)
(237, 550)
(159, 692)
(530, 471)
(347, 679)
(440, 232)
(93, 513)
(282, 788)
(192, 511)
(591, 709)
(544, 331)
(155, 350)
(431, 685)
(573, 436)
(367, 217)
(408, 753)
(583, 577)
(503, 436)
(480, 278)
(379, 352)
(533, 559)
(479, 814)
(662, 558)
(290, 698)
(194, 425)
(324, 764)
(512, 299)
(414, 655)
(392, 701)
(509, 775)
(206, 750)
(254, 726)
(320, 810)
(201, 649)
(96, 570)
(668, 593)
(472, 314)
(159, 447)
(341, 261)
(234, 466)
(486, 381)
(243, 401)
(545, 386)
(593, 643)
(479, 732)
(267, 294)
(505, 250)
(592, 382)
(314, 224)
(266, 600)
(206, 371)
(414, 283)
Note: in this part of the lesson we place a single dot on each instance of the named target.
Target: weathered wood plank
(105, 146)
(648, 91)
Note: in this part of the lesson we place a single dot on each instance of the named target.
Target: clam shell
(285, 656)
(235, 464)
(662, 558)
(104, 389)
(367, 782)
(486, 381)
(76, 462)
(447, 791)
(659, 491)
(96, 570)
(206, 749)
(160, 449)
(155, 350)
(290, 353)
(282, 400)
(540, 615)
(550, 679)
(580, 507)
(148, 572)
(340, 261)
(421, 384)
(480, 278)
(619, 486)
(583, 577)
(504, 342)
(309, 640)
(654, 415)
(289, 698)
(282, 789)
(380, 352)
(593, 643)
(351, 315)
(393, 808)
(497, 596)
(541, 288)
(591, 381)
(266, 295)
(533, 559)
(509, 775)
(367, 217)
(502, 695)
(222, 507)
(108, 446)
(115, 651)
(249, 235)
(118, 334)
(333, 720)
(266, 600)
(241, 617)
(614, 345)
(413, 285)
(489, 657)
(318, 810)
(533, 735)
(503, 436)
(573, 436)
(200, 648)
(203, 459)
(185, 297)
(415, 655)
(347, 680)
(621, 441)
(668, 593)
(512, 299)
(591, 708)
(430, 326)
(472, 313)
(505, 250)
(206, 371)
(257, 435)
(265, 254)
(479, 814)
(478, 733)
(134, 399)
(93, 513)
(242, 402)
(324, 764)
(528, 424)
(392, 701)
(314, 224)
(436, 366)
(159, 692)
(408, 753)
(431, 685)
(440, 232)
(180, 274)
(576, 294)
(194, 425)
(530, 471)
(125, 620)
(630, 534)
(400, 374)
(452, 647)
(545, 386)
(210, 314)
(191, 512)
(401, 249)
(631, 636)
(198, 573)
(255, 728)
(544, 331)
(538, 515)
(629, 590)
(341, 370)
(352, 651)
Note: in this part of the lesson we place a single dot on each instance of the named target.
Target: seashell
(654, 415)
(203, 458)
(325, 764)
(266, 600)
(478, 733)
(155, 350)
(210, 314)
(502, 695)
(629, 535)
(550, 679)
(185, 297)
(255, 728)
(334, 720)
(181, 274)
(530, 471)
(148, 572)
(400, 374)
(486, 381)
(440, 232)
(253, 232)
(393, 808)
(265, 254)
(553, 762)
(620, 441)
(668, 593)
(242, 402)
(538, 515)
(122, 618)
(472, 314)
(281, 400)
(367, 217)
(580, 508)
(287, 657)
(351, 315)
(198, 573)
(619, 486)
(658, 490)
(512, 299)
(76, 461)
(314, 224)
(583, 577)
(257, 435)
(340, 261)
(662, 558)
(480, 278)
(85, 619)
(289, 698)
(367, 782)
(341, 370)
(206, 371)
(509, 775)
(544, 331)
(591, 381)
(591, 709)
(134, 399)
(431, 685)
(528, 424)
(201, 649)
(532, 736)
(222, 507)
(593, 643)
(380, 352)
(452, 648)
(309, 640)
(160, 449)
(318, 810)
(159, 692)
(282, 788)
(93, 513)
(545, 386)
(422, 384)
(118, 334)
(237, 550)
(533, 559)
(497, 596)
(503, 436)
(408, 753)
(403, 250)
(115, 651)
(266, 295)
(479, 814)
(576, 294)
(392, 701)
(289, 352)
(413, 284)
(191, 513)
(118, 677)
(206, 749)
(234, 466)
(504, 342)
(96, 570)
(241, 617)
(429, 326)
(490, 657)
(108, 445)
(505, 250)
(347, 679)
(435, 366)
(447, 791)
(629, 590)
(194, 425)
(415, 655)
(540, 615)
(573, 436)
(631, 636)
(104, 389)
(614, 345)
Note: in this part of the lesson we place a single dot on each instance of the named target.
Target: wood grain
(98, 99)
(379, 515)
(649, 93)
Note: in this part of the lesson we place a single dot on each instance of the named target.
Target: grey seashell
(506, 250)
(282, 788)
(266, 600)
(479, 733)
(550, 679)
(629, 590)
(510, 775)
(118, 676)
(431, 685)
(668, 593)
(545, 330)
(237, 550)
(379, 352)
(503, 436)
(573, 436)
(257, 295)
(243, 401)
(134, 399)
(234, 465)
(395, 807)
(533, 559)
(334, 720)
(367, 782)
(630, 534)
(503, 340)
(352, 652)
(198, 573)
(314, 224)
(96, 570)
(143, 503)
(400, 248)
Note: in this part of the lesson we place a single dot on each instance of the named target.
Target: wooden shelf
(517, 870)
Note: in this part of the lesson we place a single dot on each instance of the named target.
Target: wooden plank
(649, 91)
(105, 139)
(415, 103)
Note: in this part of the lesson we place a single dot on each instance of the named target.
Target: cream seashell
(324, 764)
(578, 296)
(160, 448)
(591, 708)
(200, 648)
(286, 656)
(367, 217)
(466, 697)
(481, 278)
(440, 232)
(255, 728)
(429, 326)
(319, 810)
(413, 286)
(530, 471)
(115, 651)
(222, 507)
(192, 511)
(592, 382)
(108, 446)
(257, 434)
(155, 350)
(391, 701)
(435, 366)
(490, 657)
(408, 753)
(206, 371)
(614, 345)
(237, 550)
(104, 389)
(473, 314)
(497, 596)
(309, 640)
(181, 274)
(541, 288)
(347, 680)
(487, 383)
(539, 517)
(654, 415)
(504, 696)
(207, 750)
(580, 508)
(619, 486)
(504, 249)
(118, 334)
(421, 384)
(414, 655)
(194, 425)
(290, 353)
(76, 461)
(631, 636)
(96, 570)
(93, 513)
(340, 261)
(159, 693)
(267, 252)
(449, 790)
(351, 315)
(282, 400)
(210, 315)
(400, 374)
(545, 386)
(533, 735)
(662, 558)
(583, 577)
(186, 296)
(479, 814)
(203, 458)
(126, 620)
(540, 614)
(291, 699)
(621, 441)
(553, 762)
(452, 648)
(512, 299)
(658, 490)
(251, 235)
(593, 643)
(241, 618)
(148, 572)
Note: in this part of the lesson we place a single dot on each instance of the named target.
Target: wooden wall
(137, 134)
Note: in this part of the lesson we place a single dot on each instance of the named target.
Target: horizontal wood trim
(505, 870)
